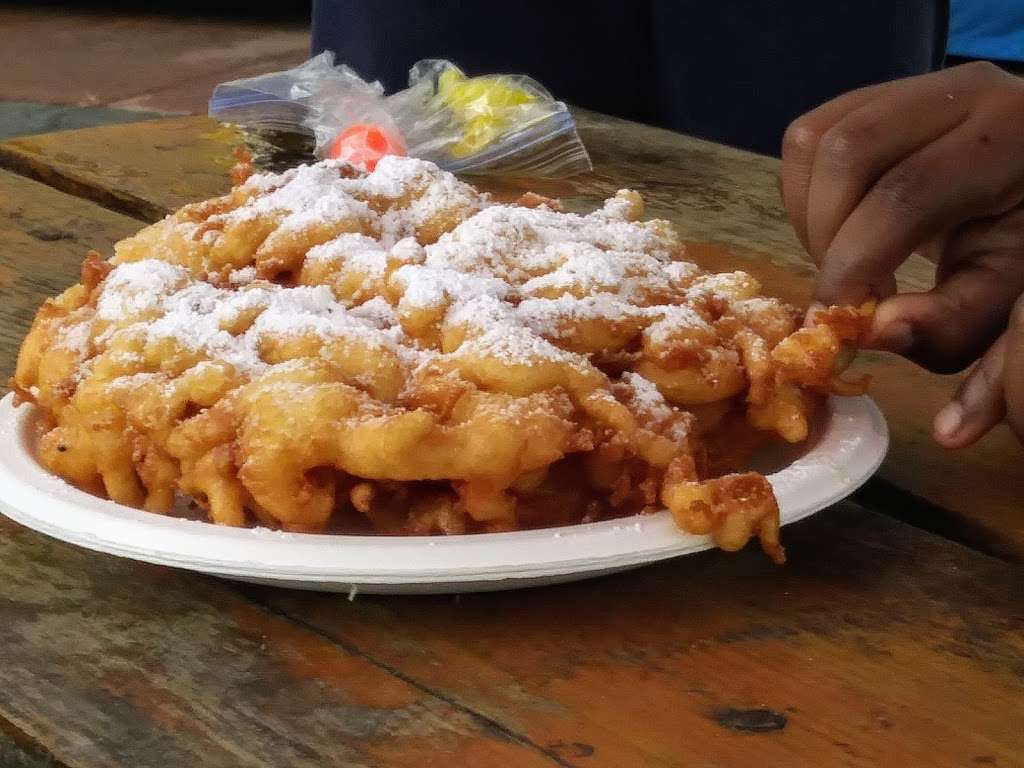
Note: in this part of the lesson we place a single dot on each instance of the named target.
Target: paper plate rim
(850, 447)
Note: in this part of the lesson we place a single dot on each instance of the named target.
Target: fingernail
(949, 419)
(895, 337)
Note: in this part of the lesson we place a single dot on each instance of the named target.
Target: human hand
(993, 391)
(931, 163)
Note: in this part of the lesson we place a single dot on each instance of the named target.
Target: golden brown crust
(324, 350)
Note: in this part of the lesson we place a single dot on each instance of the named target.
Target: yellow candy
(482, 104)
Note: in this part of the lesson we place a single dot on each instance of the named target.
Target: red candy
(363, 144)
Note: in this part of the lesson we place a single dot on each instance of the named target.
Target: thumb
(951, 325)
(1013, 376)
(979, 403)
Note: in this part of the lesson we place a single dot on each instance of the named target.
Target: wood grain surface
(711, 193)
(877, 644)
(44, 235)
(109, 663)
(143, 174)
(85, 54)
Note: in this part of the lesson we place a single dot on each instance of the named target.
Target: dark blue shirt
(735, 71)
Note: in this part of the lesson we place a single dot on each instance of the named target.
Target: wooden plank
(862, 651)
(977, 493)
(110, 663)
(45, 235)
(877, 644)
(71, 57)
(191, 95)
(105, 702)
(709, 191)
(13, 755)
(23, 118)
(140, 173)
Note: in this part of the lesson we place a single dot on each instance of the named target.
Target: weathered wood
(72, 54)
(12, 755)
(108, 663)
(709, 191)
(21, 118)
(877, 644)
(45, 236)
(978, 492)
(141, 173)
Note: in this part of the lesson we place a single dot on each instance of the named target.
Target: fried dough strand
(331, 350)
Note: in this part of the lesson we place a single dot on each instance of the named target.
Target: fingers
(989, 235)
(851, 131)
(856, 151)
(948, 327)
(1013, 368)
(922, 196)
(978, 405)
(800, 145)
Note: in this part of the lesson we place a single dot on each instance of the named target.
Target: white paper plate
(848, 447)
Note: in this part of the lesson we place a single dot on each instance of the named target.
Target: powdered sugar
(646, 395)
(514, 344)
(413, 191)
(630, 275)
(481, 313)
(242, 276)
(199, 317)
(619, 207)
(135, 380)
(75, 338)
(725, 285)
(377, 312)
(347, 247)
(584, 267)
(559, 318)
(674, 318)
(304, 189)
(513, 284)
(646, 399)
(395, 175)
(138, 287)
(424, 286)
(407, 251)
(513, 243)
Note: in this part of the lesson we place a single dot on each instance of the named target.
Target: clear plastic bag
(292, 98)
(489, 125)
(280, 110)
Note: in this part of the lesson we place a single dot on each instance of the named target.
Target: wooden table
(880, 643)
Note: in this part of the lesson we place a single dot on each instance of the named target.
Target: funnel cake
(332, 350)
